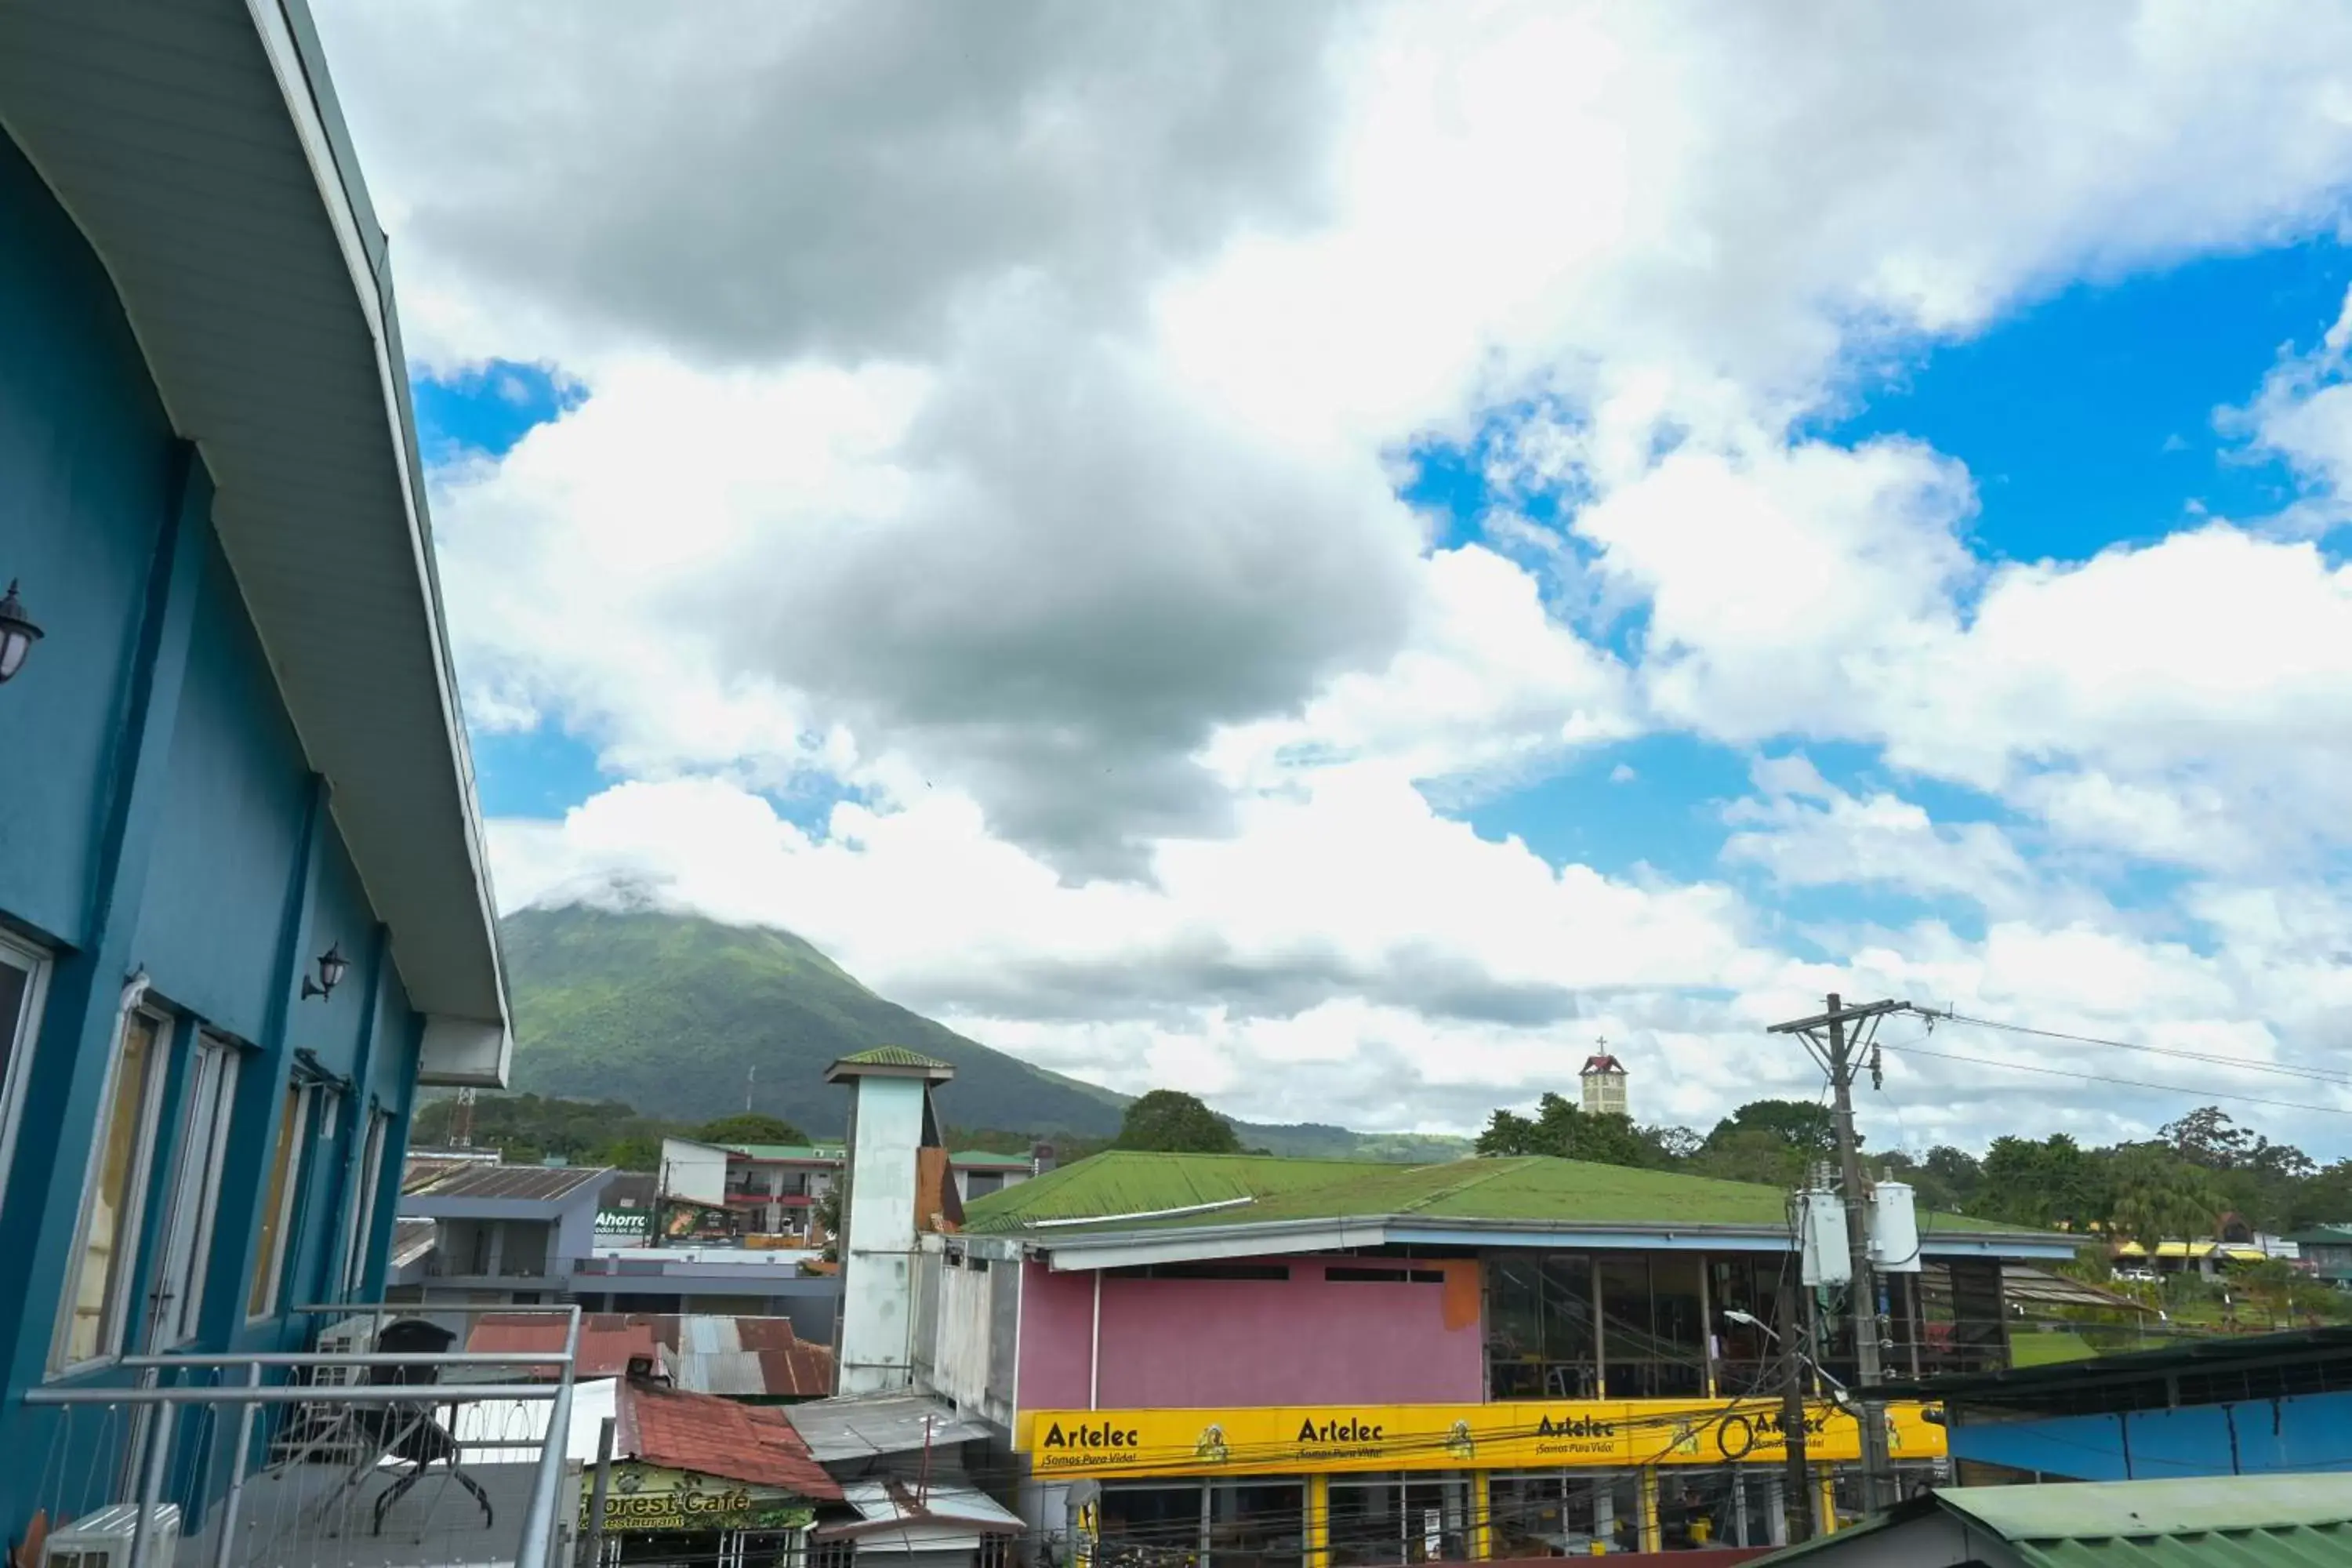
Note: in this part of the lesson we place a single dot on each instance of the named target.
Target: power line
(2315, 1075)
(2121, 1082)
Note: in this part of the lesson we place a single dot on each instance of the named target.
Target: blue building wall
(2257, 1436)
(158, 813)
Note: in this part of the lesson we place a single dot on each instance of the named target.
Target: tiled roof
(892, 1057)
(1599, 1065)
(1533, 1188)
(712, 1437)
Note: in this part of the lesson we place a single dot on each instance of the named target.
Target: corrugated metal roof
(2205, 1521)
(531, 1184)
(1534, 1188)
(746, 1358)
(864, 1425)
(893, 1503)
(719, 1437)
(608, 1342)
(411, 1240)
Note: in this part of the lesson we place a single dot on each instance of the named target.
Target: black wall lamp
(332, 966)
(17, 634)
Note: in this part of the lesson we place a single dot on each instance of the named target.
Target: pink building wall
(1191, 1343)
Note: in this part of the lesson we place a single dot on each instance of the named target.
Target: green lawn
(2043, 1349)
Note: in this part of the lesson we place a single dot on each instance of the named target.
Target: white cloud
(1000, 420)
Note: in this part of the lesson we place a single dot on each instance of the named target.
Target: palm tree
(2160, 1198)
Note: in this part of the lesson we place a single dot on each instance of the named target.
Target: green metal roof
(2205, 1521)
(893, 1057)
(2322, 1236)
(1533, 1188)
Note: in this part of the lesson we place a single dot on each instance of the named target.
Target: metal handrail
(537, 1548)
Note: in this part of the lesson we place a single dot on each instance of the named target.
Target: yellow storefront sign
(1284, 1439)
(648, 1496)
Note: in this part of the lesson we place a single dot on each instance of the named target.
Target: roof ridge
(1475, 1178)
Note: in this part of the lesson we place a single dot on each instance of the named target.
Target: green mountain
(677, 1016)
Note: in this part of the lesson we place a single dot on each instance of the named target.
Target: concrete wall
(158, 813)
(691, 1169)
(886, 1131)
(1203, 1342)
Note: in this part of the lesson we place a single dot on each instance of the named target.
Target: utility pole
(1838, 1051)
(1797, 1483)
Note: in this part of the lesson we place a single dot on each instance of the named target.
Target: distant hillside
(671, 1014)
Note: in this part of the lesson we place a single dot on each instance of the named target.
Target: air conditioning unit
(102, 1540)
(349, 1336)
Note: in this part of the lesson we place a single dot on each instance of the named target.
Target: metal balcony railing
(328, 1458)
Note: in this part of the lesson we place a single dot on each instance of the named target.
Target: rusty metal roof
(864, 1425)
(609, 1341)
(717, 1438)
(745, 1358)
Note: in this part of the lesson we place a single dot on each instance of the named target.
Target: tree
(1169, 1121)
(1801, 1124)
(2160, 1197)
(1751, 1156)
(2048, 1183)
(825, 1214)
(750, 1127)
(1563, 1131)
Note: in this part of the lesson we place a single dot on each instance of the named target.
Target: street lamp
(1751, 1320)
(17, 633)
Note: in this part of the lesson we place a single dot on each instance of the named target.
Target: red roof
(714, 1437)
(608, 1341)
(1601, 1063)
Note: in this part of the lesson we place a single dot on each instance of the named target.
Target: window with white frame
(178, 1297)
(23, 980)
(106, 1239)
(278, 1211)
(359, 1224)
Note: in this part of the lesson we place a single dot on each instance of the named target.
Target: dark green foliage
(750, 1127)
(1168, 1120)
(527, 1128)
(671, 1012)
(1564, 1130)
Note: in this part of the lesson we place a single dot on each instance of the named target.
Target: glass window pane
(263, 1297)
(1515, 1329)
(21, 975)
(1629, 1345)
(1675, 1321)
(196, 1189)
(1569, 1345)
(110, 1203)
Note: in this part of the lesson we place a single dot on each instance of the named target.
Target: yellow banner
(1289, 1439)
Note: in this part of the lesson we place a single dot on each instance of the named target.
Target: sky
(1334, 555)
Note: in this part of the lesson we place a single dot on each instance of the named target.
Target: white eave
(199, 148)
(1204, 1243)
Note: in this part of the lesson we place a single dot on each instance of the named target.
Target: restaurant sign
(1278, 1439)
(648, 1497)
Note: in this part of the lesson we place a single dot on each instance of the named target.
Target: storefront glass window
(1540, 1514)
(1383, 1519)
(1150, 1526)
(1257, 1524)
(1679, 1370)
(1539, 1315)
(1629, 1342)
